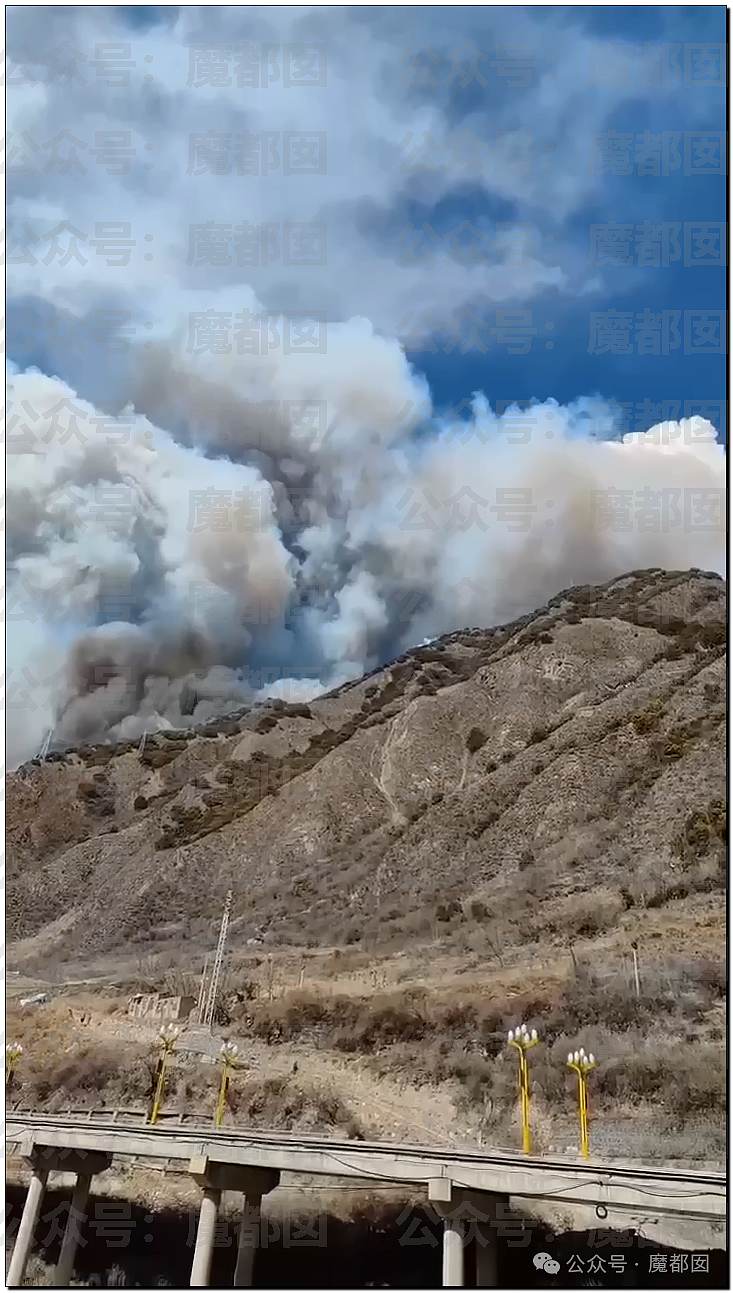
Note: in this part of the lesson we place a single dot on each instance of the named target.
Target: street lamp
(167, 1038)
(228, 1056)
(521, 1039)
(13, 1052)
(582, 1064)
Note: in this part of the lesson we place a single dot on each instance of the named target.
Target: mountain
(521, 823)
(515, 768)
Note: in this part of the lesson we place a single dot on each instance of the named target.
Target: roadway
(450, 1175)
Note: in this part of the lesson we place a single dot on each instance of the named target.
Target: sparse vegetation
(648, 719)
(702, 832)
(539, 733)
(426, 904)
(475, 740)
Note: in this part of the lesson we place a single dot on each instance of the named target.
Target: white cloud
(366, 110)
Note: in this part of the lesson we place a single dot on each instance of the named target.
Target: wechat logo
(544, 1262)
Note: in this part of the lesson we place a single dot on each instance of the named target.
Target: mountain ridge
(426, 783)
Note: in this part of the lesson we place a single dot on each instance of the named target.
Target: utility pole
(218, 960)
(637, 984)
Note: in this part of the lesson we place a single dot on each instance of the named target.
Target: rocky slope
(544, 775)
(479, 833)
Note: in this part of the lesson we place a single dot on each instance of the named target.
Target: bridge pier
(215, 1178)
(249, 1231)
(42, 1160)
(453, 1252)
(487, 1273)
(24, 1239)
(203, 1252)
(72, 1233)
(459, 1208)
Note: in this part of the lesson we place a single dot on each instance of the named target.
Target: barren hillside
(571, 745)
(476, 830)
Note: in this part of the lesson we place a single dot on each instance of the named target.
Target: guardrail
(597, 1183)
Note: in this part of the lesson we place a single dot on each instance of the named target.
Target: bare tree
(495, 940)
(485, 1116)
(270, 973)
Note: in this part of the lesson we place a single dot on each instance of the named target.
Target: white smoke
(393, 538)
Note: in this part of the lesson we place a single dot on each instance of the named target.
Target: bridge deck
(650, 1191)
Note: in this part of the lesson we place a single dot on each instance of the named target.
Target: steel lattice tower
(218, 961)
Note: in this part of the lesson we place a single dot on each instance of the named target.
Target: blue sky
(608, 67)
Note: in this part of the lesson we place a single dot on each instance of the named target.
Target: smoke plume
(238, 532)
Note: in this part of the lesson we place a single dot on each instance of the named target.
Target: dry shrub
(676, 989)
(538, 734)
(649, 718)
(707, 636)
(686, 1079)
(87, 1070)
(701, 832)
(282, 1102)
(581, 916)
(475, 740)
(349, 1024)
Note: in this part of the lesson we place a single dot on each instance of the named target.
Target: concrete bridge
(461, 1185)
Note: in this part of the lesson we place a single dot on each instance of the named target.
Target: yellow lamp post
(167, 1038)
(13, 1052)
(581, 1064)
(521, 1039)
(228, 1056)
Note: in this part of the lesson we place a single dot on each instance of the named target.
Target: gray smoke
(134, 604)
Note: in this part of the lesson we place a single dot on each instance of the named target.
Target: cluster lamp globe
(522, 1036)
(579, 1057)
(13, 1052)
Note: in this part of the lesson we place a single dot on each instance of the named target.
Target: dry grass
(661, 1054)
(432, 1041)
(405, 942)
